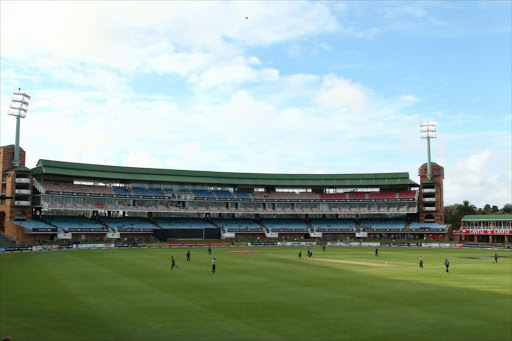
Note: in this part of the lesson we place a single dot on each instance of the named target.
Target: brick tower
(431, 200)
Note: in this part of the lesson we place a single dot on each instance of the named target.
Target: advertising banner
(64, 236)
(42, 229)
(362, 234)
(296, 243)
(17, 249)
(94, 246)
(113, 235)
(194, 244)
(485, 232)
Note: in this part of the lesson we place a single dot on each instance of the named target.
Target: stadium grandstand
(80, 201)
(492, 228)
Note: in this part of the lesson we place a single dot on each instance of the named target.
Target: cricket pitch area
(385, 265)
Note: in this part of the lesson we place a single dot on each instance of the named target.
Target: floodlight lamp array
(19, 104)
(428, 130)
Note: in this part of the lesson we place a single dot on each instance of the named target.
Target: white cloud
(106, 33)
(140, 159)
(483, 178)
(342, 93)
(235, 71)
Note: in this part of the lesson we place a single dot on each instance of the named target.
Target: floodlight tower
(428, 131)
(18, 108)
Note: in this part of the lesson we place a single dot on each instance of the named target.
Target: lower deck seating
(238, 225)
(34, 224)
(285, 225)
(69, 223)
(333, 225)
(127, 223)
(384, 224)
(434, 227)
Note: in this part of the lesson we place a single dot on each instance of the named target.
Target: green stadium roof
(492, 217)
(117, 173)
(18, 169)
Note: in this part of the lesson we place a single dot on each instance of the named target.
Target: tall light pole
(18, 108)
(428, 131)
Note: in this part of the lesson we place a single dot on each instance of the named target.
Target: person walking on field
(300, 254)
(188, 255)
(209, 250)
(377, 252)
(495, 260)
(447, 265)
(173, 263)
(213, 265)
(421, 262)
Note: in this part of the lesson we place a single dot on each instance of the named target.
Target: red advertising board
(486, 232)
(195, 244)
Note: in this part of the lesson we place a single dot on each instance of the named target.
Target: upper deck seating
(72, 188)
(224, 194)
(286, 195)
(382, 195)
(105, 190)
(156, 192)
(356, 195)
(242, 195)
(50, 186)
(141, 191)
(262, 195)
(121, 190)
(203, 194)
(169, 192)
(333, 196)
(407, 194)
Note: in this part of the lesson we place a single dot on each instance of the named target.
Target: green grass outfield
(130, 294)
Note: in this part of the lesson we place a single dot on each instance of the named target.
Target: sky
(266, 87)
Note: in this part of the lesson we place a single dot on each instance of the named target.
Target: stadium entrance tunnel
(306, 236)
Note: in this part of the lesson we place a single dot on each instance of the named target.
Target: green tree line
(454, 213)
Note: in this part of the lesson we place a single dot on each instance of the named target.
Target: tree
(494, 209)
(507, 208)
(466, 208)
(452, 216)
(487, 208)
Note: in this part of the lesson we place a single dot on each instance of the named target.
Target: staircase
(358, 226)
